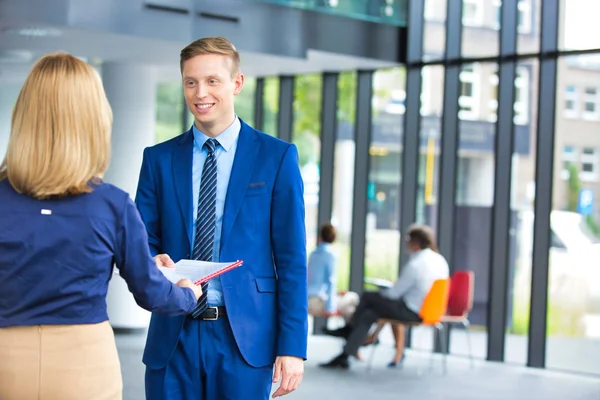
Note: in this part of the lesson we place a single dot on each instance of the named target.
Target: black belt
(212, 314)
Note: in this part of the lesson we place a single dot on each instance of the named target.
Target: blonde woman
(62, 230)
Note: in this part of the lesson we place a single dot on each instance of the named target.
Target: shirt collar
(226, 138)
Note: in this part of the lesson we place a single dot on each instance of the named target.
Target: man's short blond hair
(212, 45)
(60, 130)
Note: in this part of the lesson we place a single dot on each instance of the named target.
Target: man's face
(209, 89)
(411, 246)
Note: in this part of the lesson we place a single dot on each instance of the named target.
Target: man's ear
(238, 82)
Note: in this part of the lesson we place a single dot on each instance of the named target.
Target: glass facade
(481, 173)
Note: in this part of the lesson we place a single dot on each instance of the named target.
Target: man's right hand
(163, 260)
(186, 283)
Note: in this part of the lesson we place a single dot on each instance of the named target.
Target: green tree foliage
(574, 185)
(307, 109)
(244, 102)
(169, 107)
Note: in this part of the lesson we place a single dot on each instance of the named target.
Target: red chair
(460, 303)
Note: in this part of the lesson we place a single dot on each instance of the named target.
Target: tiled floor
(486, 381)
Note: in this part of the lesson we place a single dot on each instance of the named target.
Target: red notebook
(218, 272)
(197, 271)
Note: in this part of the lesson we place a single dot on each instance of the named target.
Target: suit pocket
(256, 190)
(266, 285)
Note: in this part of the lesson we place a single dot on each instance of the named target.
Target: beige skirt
(59, 362)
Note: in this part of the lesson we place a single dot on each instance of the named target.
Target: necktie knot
(211, 145)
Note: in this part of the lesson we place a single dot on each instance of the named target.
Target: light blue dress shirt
(224, 153)
(322, 276)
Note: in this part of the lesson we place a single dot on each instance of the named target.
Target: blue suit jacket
(263, 225)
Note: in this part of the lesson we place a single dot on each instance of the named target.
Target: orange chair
(432, 310)
(460, 303)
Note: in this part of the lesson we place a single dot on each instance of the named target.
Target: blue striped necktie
(206, 218)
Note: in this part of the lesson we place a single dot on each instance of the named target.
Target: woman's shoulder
(108, 189)
(108, 194)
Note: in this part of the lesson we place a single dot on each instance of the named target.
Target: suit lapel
(241, 172)
(182, 177)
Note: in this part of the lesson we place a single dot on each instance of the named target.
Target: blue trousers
(207, 365)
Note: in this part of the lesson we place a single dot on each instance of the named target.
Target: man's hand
(163, 260)
(290, 370)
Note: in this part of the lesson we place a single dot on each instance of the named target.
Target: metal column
(544, 170)
(501, 209)
(361, 180)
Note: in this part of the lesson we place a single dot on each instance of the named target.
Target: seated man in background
(402, 302)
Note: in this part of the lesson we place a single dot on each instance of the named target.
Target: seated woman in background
(62, 230)
(323, 298)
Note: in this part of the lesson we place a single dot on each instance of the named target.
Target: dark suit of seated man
(402, 302)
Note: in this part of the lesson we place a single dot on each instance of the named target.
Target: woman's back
(57, 255)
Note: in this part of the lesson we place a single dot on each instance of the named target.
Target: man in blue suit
(223, 191)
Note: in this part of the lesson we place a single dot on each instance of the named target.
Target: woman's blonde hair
(60, 130)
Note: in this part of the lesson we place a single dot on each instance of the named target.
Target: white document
(194, 270)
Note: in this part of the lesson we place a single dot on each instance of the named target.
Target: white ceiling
(17, 53)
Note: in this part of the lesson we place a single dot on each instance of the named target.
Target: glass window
(578, 25)
(474, 200)
(430, 141)
(521, 217)
(571, 105)
(434, 35)
(572, 339)
(383, 234)
(569, 159)
(522, 84)
(270, 105)
(591, 106)
(170, 104)
(468, 100)
(524, 17)
(480, 28)
(244, 102)
(529, 18)
(589, 164)
(522, 104)
(472, 13)
(306, 136)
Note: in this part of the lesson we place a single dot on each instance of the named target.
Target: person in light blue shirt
(322, 275)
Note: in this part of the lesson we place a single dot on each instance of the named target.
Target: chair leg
(466, 325)
(371, 356)
(436, 332)
(443, 346)
(417, 346)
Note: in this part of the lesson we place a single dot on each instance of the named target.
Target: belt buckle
(216, 314)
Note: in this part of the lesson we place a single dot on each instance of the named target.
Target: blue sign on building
(585, 204)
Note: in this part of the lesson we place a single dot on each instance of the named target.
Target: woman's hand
(163, 260)
(186, 283)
